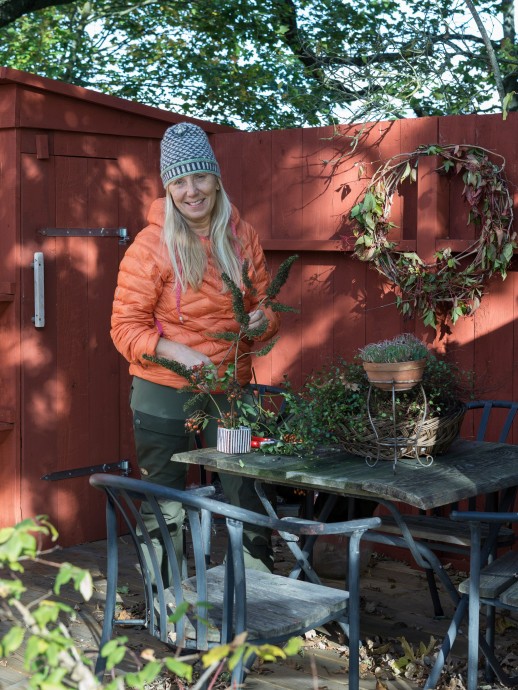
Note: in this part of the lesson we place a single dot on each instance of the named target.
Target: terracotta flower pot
(234, 440)
(398, 375)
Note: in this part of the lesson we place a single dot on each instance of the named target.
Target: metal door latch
(39, 290)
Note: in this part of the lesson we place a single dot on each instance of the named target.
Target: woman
(169, 300)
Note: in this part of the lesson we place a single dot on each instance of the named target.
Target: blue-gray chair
(493, 583)
(435, 528)
(271, 608)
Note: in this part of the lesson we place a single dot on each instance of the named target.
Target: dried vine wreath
(453, 285)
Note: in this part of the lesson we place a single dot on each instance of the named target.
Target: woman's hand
(181, 353)
(257, 318)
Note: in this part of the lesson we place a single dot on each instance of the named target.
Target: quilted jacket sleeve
(139, 286)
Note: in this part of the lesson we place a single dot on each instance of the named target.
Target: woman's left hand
(257, 318)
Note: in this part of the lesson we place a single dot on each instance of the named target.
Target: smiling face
(195, 197)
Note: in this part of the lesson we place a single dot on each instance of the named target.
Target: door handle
(39, 290)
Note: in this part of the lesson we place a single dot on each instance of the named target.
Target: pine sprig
(198, 399)
(238, 301)
(207, 380)
(266, 349)
(280, 278)
(246, 279)
(170, 364)
(257, 332)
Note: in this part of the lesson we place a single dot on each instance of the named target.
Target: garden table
(468, 469)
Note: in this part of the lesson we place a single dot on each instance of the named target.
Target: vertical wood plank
(40, 394)
(323, 207)
(73, 421)
(228, 149)
(494, 322)
(349, 284)
(382, 320)
(102, 359)
(286, 184)
(10, 342)
(256, 184)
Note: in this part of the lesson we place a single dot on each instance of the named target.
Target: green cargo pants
(159, 428)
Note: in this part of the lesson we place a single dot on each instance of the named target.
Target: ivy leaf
(369, 202)
(429, 319)
(406, 172)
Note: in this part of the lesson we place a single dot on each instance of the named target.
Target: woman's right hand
(181, 353)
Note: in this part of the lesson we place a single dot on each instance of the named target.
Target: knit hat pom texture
(185, 150)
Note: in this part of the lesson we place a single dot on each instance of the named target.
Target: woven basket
(435, 437)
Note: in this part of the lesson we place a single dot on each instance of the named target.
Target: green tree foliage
(273, 63)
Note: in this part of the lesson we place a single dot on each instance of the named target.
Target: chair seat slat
(435, 528)
(276, 605)
(496, 577)
(510, 596)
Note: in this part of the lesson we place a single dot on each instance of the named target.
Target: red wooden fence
(298, 186)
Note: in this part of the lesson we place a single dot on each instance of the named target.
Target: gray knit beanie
(185, 150)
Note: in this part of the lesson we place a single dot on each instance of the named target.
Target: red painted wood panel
(429, 211)
(256, 185)
(40, 396)
(141, 115)
(287, 172)
(71, 393)
(322, 200)
(87, 196)
(9, 331)
(54, 111)
(7, 106)
(228, 149)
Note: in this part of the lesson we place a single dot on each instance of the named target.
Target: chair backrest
(494, 424)
(270, 397)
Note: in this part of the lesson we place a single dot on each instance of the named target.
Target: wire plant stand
(389, 440)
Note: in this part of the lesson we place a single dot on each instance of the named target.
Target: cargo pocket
(156, 440)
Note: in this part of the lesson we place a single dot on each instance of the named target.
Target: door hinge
(121, 233)
(123, 465)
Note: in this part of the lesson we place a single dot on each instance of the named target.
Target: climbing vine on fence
(453, 284)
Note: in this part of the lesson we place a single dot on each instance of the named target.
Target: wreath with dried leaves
(453, 285)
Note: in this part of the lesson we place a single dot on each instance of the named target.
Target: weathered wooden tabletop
(468, 469)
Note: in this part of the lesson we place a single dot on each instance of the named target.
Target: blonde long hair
(186, 249)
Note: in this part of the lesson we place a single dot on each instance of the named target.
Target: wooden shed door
(70, 369)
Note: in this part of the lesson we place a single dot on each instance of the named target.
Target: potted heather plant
(234, 425)
(440, 400)
(395, 364)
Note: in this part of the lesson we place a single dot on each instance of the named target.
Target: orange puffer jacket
(146, 300)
